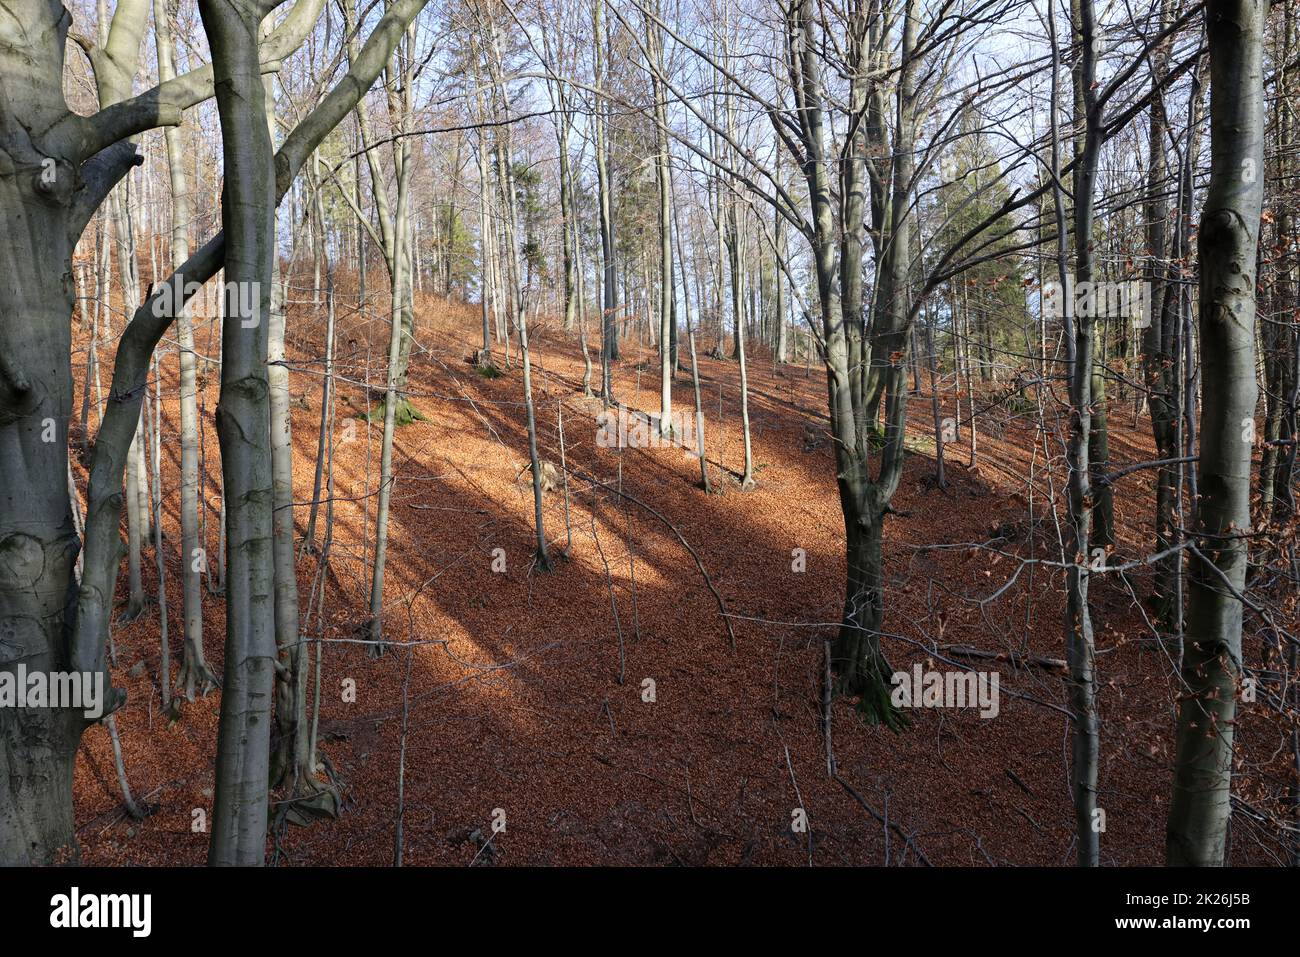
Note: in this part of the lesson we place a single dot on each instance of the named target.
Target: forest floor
(526, 698)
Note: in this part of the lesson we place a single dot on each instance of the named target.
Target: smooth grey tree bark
(396, 232)
(515, 292)
(862, 371)
(558, 52)
(1200, 809)
(195, 676)
(327, 404)
(58, 168)
(50, 623)
(327, 372)
(114, 71)
(1079, 345)
(243, 428)
(664, 183)
(600, 119)
(700, 447)
(486, 248)
(291, 760)
(1161, 339)
(778, 254)
(737, 272)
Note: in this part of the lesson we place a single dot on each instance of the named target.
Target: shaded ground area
(528, 692)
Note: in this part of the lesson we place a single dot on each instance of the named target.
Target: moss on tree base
(404, 414)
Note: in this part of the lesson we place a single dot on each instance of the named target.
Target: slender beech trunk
(663, 179)
(326, 405)
(738, 309)
(609, 314)
(582, 310)
(516, 294)
(1277, 334)
(932, 365)
(1201, 806)
(778, 252)
(248, 205)
(58, 626)
(700, 447)
(567, 226)
(485, 251)
(195, 676)
(392, 394)
(1080, 648)
(290, 675)
(1161, 339)
(1103, 524)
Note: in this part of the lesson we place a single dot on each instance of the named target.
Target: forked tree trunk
(40, 221)
(861, 374)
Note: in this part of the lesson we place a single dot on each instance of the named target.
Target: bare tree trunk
(290, 675)
(1278, 337)
(1201, 806)
(62, 626)
(738, 308)
(1080, 649)
(486, 244)
(516, 292)
(1103, 531)
(195, 676)
(400, 226)
(700, 447)
(164, 639)
(860, 374)
(932, 363)
(248, 205)
(609, 320)
(663, 179)
(778, 253)
(134, 533)
(37, 536)
(326, 406)
(1161, 340)
(568, 227)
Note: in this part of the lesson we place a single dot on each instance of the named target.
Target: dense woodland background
(346, 531)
